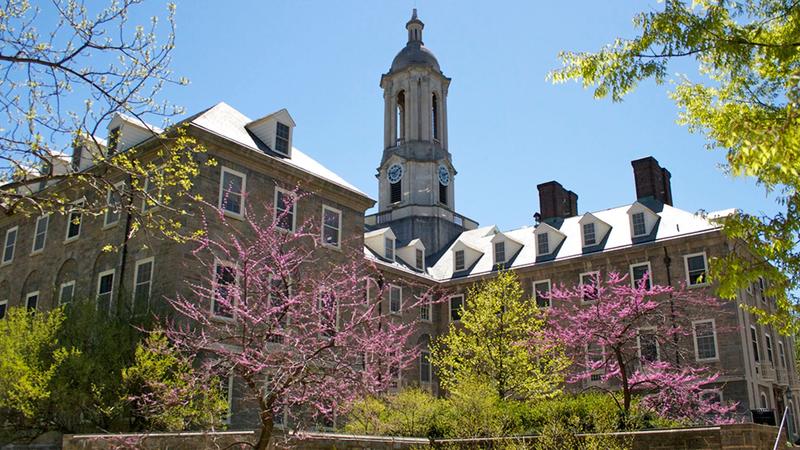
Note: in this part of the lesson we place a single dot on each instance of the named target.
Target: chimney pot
(556, 202)
(652, 181)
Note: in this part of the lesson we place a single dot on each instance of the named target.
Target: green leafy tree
(490, 344)
(166, 391)
(30, 355)
(744, 100)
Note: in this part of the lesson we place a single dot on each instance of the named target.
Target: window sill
(37, 252)
(232, 215)
(6, 263)
(109, 226)
(705, 360)
(338, 248)
(71, 240)
(696, 286)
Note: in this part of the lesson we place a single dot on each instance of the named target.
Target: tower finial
(414, 27)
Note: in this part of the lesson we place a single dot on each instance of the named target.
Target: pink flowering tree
(637, 340)
(291, 316)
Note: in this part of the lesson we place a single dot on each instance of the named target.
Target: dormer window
(589, 235)
(459, 263)
(542, 244)
(388, 248)
(499, 252)
(420, 259)
(639, 228)
(282, 139)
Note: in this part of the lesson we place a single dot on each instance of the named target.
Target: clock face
(395, 173)
(444, 175)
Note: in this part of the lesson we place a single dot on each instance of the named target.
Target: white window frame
(294, 209)
(118, 187)
(223, 192)
(596, 274)
(100, 276)
(594, 234)
(15, 229)
(494, 249)
(61, 291)
(716, 391)
(139, 264)
(235, 267)
(538, 245)
(28, 297)
(338, 244)
(419, 251)
(5, 311)
(549, 288)
(386, 247)
(694, 339)
(649, 273)
(450, 307)
(764, 400)
(229, 412)
(455, 260)
(689, 283)
(633, 224)
(639, 342)
(393, 288)
(34, 250)
(67, 237)
(427, 307)
(781, 354)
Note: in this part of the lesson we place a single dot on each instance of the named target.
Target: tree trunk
(626, 389)
(266, 434)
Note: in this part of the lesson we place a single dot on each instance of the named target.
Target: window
(328, 314)
(705, 340)
(456, 305)
(781, 354)
(424, 367)
(712, 395)
(40, 236)
(420, 259)
(588, 285)
(331, 226)
(3, 307)
(435, 117)
(231, 192)
(226, 389)
(143, 282)
(442, 193)
(32, 300)
(639, 228)
(648, 345)
(105, 289)
(754, 341)
(66, 292)
(595, 357)
(388, 248)
(113, 140)
(282, 139)
(225, 279)
(695, 269)
(764, 401)
(760, 289)
(74, 222)
(499, 252)
(396, 192)
(459, 260)
(395, 298)
(639, 272)
(153, 191)
(113, 203)
(285, 208)
(541, 292)
(768, 342)
(425, 311)
(589, 237)
(10, 245)
(542, 244)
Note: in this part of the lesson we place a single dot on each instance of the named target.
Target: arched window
(764, 403)
(435, 117)
(400, 118)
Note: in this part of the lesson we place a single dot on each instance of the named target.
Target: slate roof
(672, 222)
(225, 121)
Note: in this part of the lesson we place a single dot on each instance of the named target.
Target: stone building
(416, 236)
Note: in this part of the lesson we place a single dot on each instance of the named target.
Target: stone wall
(725, 437)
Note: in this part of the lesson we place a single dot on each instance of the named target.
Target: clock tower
(416, 176)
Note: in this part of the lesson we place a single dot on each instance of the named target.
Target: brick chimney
(652, 181)
(556, 202)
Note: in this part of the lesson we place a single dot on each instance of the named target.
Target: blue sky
(509, 128)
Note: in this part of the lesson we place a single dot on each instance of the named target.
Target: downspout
(667, 263)
(124, 251)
